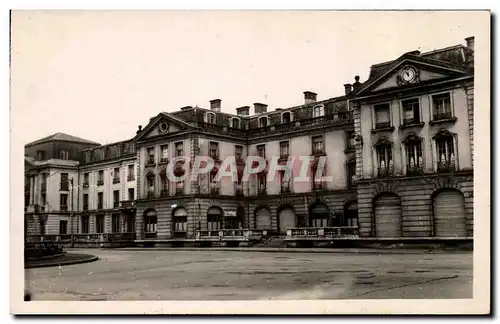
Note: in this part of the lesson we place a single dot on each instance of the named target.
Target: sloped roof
(62, 137)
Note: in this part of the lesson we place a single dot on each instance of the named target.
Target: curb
(296, 250)
(91, 258)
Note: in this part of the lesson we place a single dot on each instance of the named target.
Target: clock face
(408, 74)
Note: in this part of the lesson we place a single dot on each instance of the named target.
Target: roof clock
(408, 75)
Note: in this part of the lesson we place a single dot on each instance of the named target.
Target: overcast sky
(98, 75)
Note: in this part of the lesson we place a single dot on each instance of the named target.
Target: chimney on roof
(309, 97)
(348, 88)
(243, 111)
(259, 108)
(215, 104)
(470, 42)
(356, 85)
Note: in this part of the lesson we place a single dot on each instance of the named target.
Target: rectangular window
(115, 223)
(238, 152)
(382, 116)
(85, 228)
(442, 106)
(261, 150)
(85, 201)
(285, 185)
(286, 117)
(131, 194)
(351, 142)
(116, 175)
(263, 122)
(116, 198)
(99, 223)
(100, 200)
(164, 153)
(414, 159)
(64, 182)
(44, 199)
(63, 154)
(64, 202)
(351, 173)
(319, 111)
(261, 180)
(86, 179)
(40, 155)
(284, 149)
(384, 156)
(214, 150)
(411, 111)
(100, 178)
(235, 123)
(179, 187)
(211, 118)
(317, 142)
(88, 156)
(151, 156)
(131, 174)
(180, 224)
(164, 187)
(179, 149)
(214, 222)
(63, 227)
(151, 187)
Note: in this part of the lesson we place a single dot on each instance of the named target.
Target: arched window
(286, 117)
(414, 158)
(445, 150)
(318, 111)
(319, 215)
(211, 118)
(179, 217)
(235, 123)
(385, 165)
(263, 122)
(214, 218)
(150, 223)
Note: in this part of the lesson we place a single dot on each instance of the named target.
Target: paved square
(228, 275)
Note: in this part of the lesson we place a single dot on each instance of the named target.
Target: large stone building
(398, 148)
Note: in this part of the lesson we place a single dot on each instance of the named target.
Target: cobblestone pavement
(223, 275)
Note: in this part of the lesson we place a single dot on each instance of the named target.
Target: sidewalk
(298, 250)
(63, 259)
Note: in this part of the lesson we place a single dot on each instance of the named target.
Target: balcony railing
(285, 188)
(414, 170)
(163, 160)
(442, 116)
(164, 193)
(385, 172)
(150, 162)
(131, 178)
(82, 238)
(284, 156)
(319, 185)
(85, 184)
(229, 235)
(318, 151)
(85, 207)
(116, 204)
(322, 232)
(382, 125)
(99, 206)
(63, 208)
(100, 182)
(150, 235)
(179, 191)
(446, 166)
(150, 195)
(410, 121)
(262, 191)
(43, 186)
(238, 190)
(127, 204)
(214, 190)
(116, 180)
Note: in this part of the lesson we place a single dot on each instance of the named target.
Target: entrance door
(388, 216)
(286, 219)
(449, 214)
(263, 219)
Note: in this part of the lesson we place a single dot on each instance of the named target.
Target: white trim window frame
(262, 118)
(290, 118)
(443, 111)
(419, 161)
(402, 111)
(450, 153)
(211, 118)
(319, 111)
(233, 119)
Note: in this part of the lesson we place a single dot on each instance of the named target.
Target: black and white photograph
(254, 162)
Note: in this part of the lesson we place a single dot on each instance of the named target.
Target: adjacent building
(398, 148)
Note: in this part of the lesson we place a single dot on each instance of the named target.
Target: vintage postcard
(250, 162)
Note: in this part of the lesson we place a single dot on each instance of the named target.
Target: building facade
(398, 150)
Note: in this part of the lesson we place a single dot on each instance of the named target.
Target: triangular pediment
(408, 71)
(163, 124)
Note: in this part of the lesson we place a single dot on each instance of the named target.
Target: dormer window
(286, 117)
(235, 122)
(263, 122)
(211, 118)
(318, 111)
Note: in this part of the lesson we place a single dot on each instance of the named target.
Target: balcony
(411, 122)
(85, 207)
(99, 206)
(100, 182)
(127, 204)
(318, 152)
(322, 233)
(150, 195)
(262, 191)
(85, 184)
(179, 191)
(383, 127)
(164, 193)
(215, 156)
(131, 178)
(415, 170)
(63, 208)
(319, 185)
(163, 161)
(385, 172)
(214, 190)
(283, 157)
(442, 118)
(116, 204)
(116, 180)
(238, 190)
(150, 162)
(446, 166)
(285, 188)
